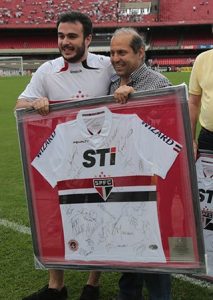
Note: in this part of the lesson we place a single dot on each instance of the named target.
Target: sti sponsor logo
(45, 145)
(163, 137)
(100, 157)
(206, 195)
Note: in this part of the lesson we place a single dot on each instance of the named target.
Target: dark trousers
(131, 285)
(205, 140)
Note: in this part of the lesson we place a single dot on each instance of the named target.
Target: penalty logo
(103, 186)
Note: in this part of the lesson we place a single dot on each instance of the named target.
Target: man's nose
(66, 40)
(115, 57)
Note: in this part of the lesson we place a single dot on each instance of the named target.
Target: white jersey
(58, 80)
(97, 158)
(204, 167)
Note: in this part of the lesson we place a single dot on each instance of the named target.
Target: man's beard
(80, 51)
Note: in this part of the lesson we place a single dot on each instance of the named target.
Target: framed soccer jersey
(204, 167)
(113, 187)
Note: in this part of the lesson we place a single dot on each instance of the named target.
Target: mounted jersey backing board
(113, 187)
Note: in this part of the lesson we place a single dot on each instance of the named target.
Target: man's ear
(142, 53)
(88, 40)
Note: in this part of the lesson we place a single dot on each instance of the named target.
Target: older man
(127, 52)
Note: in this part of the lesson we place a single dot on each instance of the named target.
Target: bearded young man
(75, 75)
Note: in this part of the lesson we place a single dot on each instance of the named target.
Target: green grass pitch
(18, 276)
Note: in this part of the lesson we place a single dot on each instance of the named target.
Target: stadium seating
(167, 28)
(173, 61)
(28, 42)
(30, 13)
(168, 39)
(191, 37)
(185, 11)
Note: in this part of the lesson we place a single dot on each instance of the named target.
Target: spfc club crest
(103, 186)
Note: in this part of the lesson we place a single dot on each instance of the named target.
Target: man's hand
(41, 105)
(122, 93)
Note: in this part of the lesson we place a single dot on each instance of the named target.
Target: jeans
(131, 284)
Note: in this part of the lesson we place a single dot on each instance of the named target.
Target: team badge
(153, 247)
(103, 186)
(73, 244)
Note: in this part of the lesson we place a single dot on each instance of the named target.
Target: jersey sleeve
(35, 89)
(155, 147)
(49, 160)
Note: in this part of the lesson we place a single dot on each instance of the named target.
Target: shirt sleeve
(155, 147)
(194, 85)
(49, 160)
(36, 88)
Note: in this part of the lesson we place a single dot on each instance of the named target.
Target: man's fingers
(121, 97)
(42, 106)
(122, 93)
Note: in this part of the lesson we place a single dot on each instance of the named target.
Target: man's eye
(72, 37)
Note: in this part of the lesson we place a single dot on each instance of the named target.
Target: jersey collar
(105, 130)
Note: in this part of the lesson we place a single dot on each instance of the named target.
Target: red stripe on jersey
(57, 101)
(118, 182)
(177, 148)
(113, 150)
(65, 67)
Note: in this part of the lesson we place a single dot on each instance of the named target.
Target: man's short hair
(76, 16)
(137, 41)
